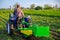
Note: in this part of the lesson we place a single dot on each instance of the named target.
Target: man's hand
(12, 18)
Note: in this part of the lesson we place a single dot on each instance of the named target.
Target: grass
(40, 17)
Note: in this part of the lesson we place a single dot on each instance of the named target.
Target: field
(49, 18)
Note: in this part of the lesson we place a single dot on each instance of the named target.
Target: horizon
(27, 3)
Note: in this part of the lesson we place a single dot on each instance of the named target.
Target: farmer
(18, 13)
(27, 21)
(13, 21)
(12, 24)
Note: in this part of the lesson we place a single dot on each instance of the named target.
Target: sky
(27, 3)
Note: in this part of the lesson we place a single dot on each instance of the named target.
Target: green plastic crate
(41, 31)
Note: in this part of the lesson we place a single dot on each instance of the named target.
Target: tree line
(46, 6)
(33, 7)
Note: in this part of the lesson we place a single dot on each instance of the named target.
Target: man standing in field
(18, 13)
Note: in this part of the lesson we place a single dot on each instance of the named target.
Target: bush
(38, 8)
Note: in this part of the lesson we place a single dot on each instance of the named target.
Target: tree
(27, 8)
(22, 7)
(56, 6)
(47, 7)
(38, 8)
(32, 6)
(10, 7)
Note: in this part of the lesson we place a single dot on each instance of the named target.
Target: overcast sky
(27, 3)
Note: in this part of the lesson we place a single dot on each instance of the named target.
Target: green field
(49, 18)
